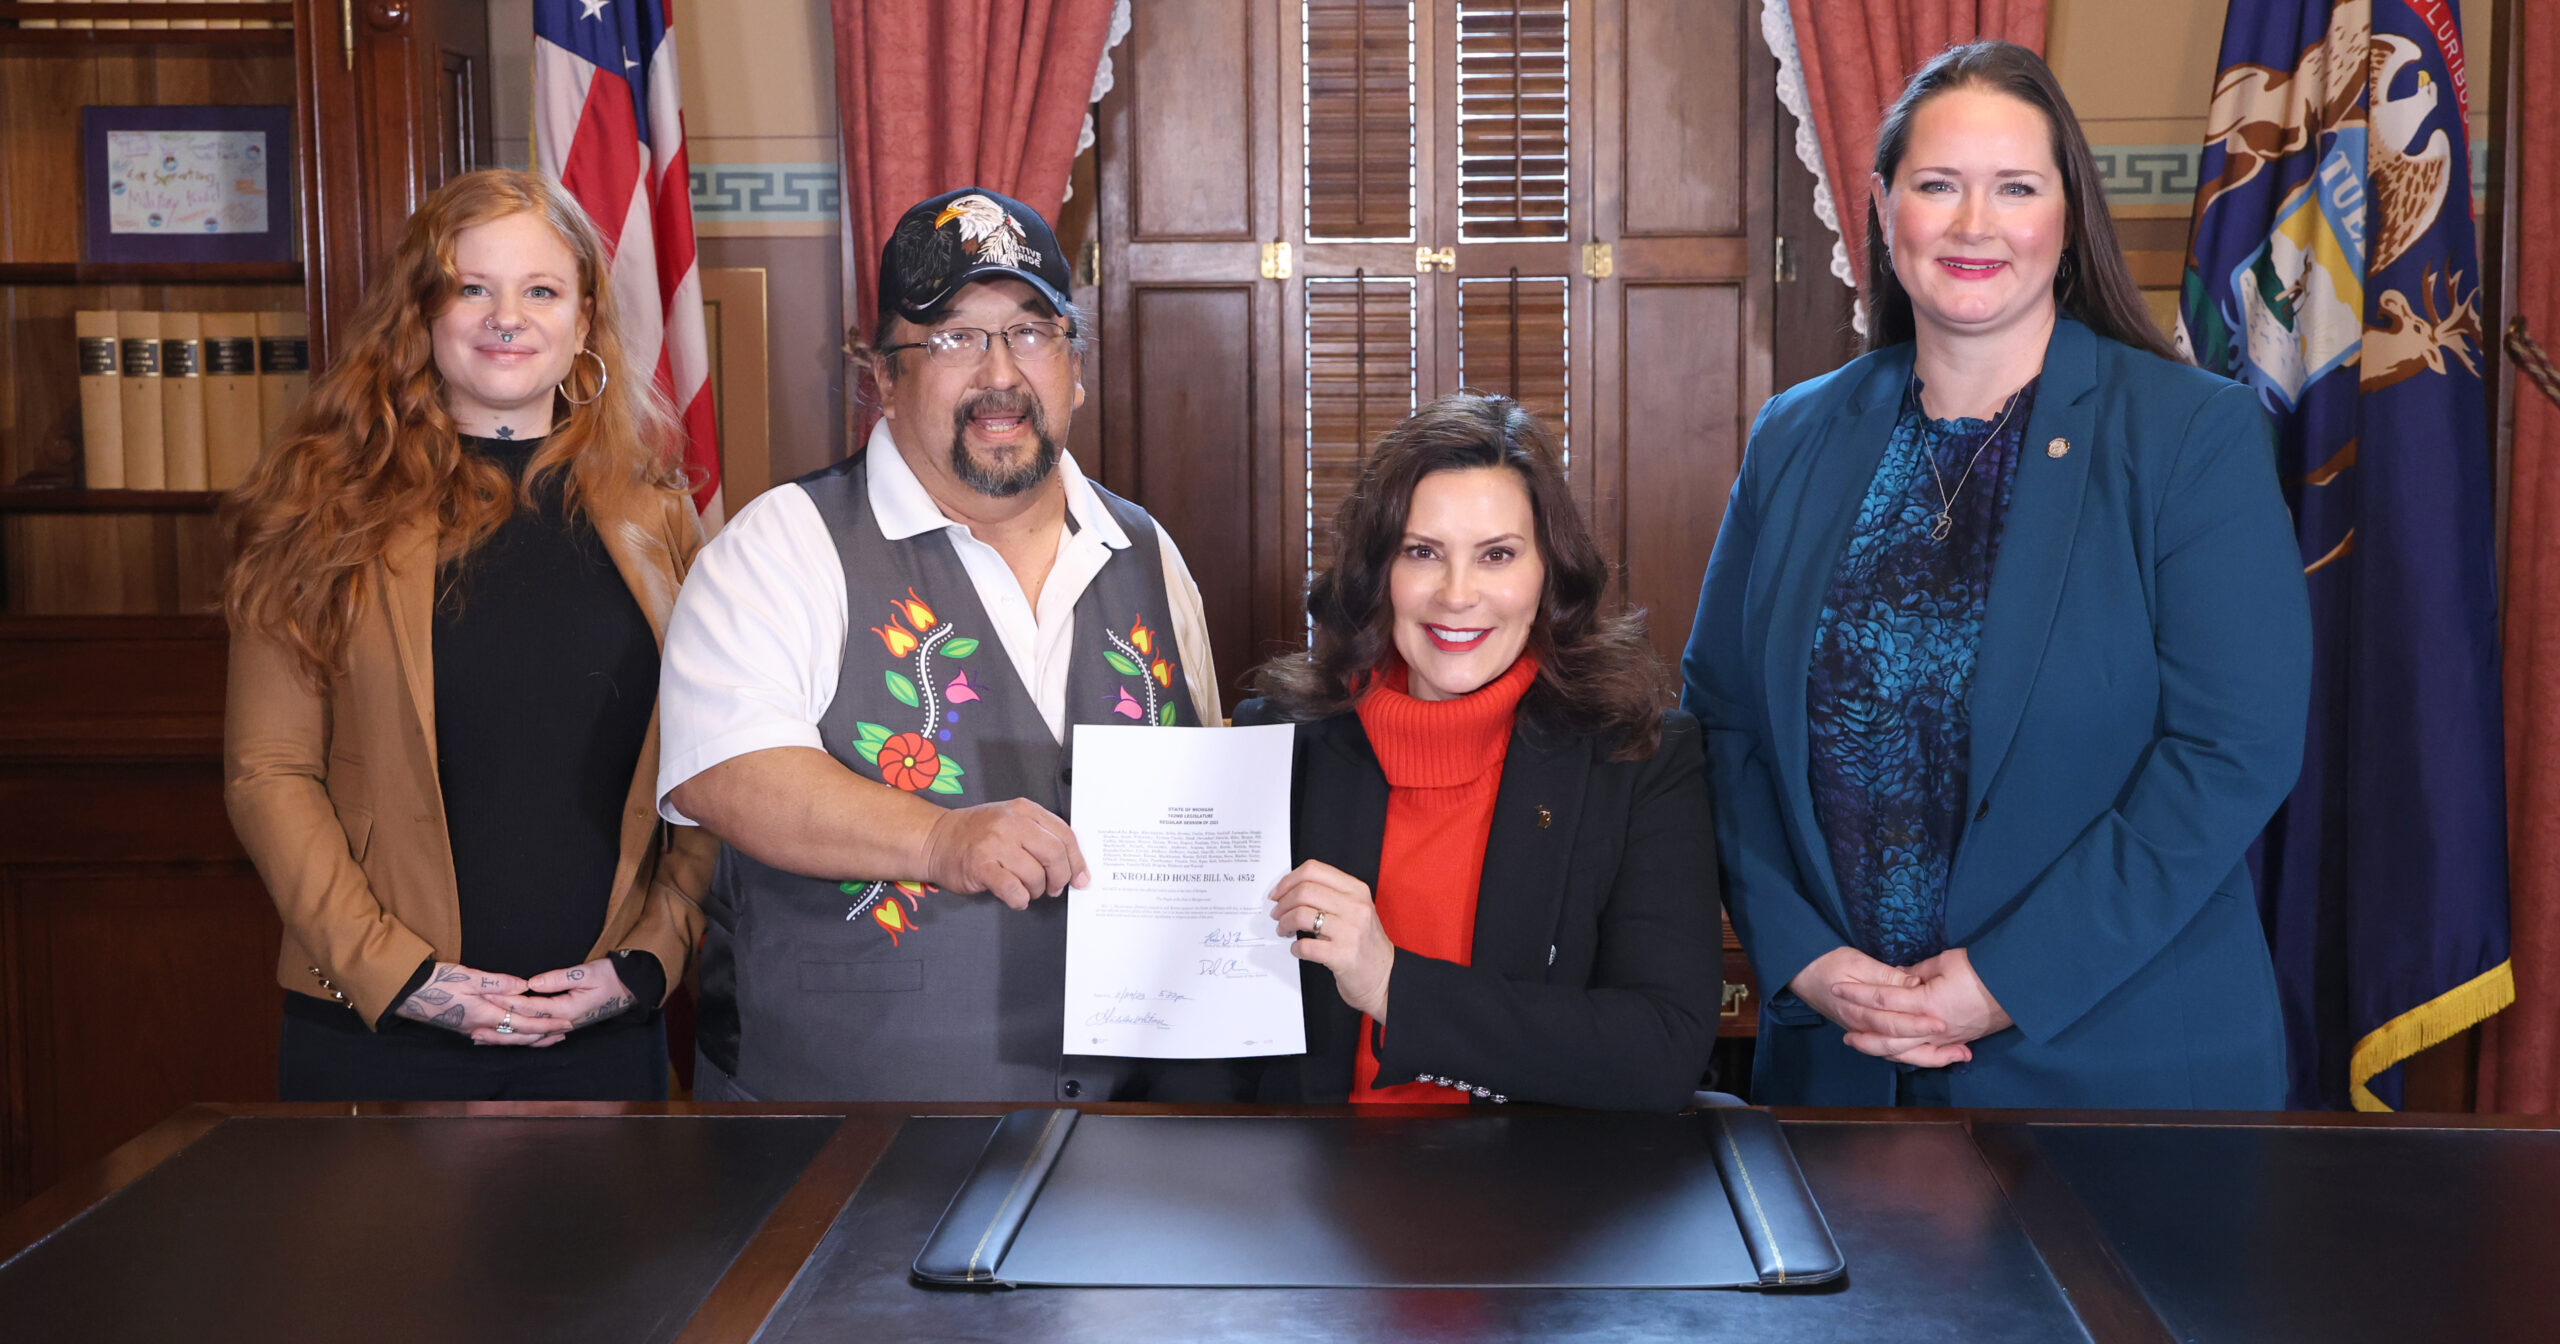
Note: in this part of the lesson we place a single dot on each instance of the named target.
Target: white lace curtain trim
(1778, 29)
(1101, 86)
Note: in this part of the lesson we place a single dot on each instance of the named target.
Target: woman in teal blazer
(2003, 658)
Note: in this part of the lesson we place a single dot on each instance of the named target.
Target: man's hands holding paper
(1925, 1016)
(1349, 941)
(1013, 851)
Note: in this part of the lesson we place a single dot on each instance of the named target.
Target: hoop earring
(604, 376)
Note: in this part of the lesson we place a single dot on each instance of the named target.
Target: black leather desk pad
(1299, 1201)
(1932, 1252)
(2269, 1234)
(443, 1229)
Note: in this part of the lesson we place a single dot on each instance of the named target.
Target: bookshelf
(118, 865)
(216, 24)
(66, 550)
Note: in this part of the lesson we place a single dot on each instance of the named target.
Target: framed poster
(188, 183)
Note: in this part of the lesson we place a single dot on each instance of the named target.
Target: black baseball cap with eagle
(960, 236)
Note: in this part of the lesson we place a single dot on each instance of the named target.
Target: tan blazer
(336, 799)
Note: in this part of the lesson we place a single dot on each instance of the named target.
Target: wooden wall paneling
(456, 39)
(136, 944)
(1193, 437)
(1190, 332)
(1810, 308)
(1682, 358)
(329, 153)
(1682, 167)
(733, 311)
(1194, 124)
(1682, 194)
(137, 990)
(40, 98)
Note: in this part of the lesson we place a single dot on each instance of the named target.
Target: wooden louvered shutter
(1514, 339)
(1359, 119)
(1514, 122)
(1360, 380)
(1565, 201)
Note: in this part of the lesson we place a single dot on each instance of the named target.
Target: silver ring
(1317, 928)
(506, 1025)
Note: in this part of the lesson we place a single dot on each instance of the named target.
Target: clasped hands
(477, 1003)
(1926, 1015)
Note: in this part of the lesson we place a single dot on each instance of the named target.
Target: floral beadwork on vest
(1134, 655)
(913, 761)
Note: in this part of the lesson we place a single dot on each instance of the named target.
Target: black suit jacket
(1596, 972)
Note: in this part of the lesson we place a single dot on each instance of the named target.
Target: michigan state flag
(2332, 265)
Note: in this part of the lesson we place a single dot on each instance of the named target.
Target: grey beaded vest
(860, 988)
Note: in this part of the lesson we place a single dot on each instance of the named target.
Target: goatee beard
(987, 480)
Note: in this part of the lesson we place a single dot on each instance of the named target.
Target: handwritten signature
(1228, 968)
(1113, 1017)
(1231, 938)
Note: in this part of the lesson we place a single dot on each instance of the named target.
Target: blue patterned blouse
(1892, 663)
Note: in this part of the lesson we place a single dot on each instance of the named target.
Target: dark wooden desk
(787, 1223)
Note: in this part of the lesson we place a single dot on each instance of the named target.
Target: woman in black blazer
(1486, 752)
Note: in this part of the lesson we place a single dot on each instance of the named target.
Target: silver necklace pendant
(1943, 521)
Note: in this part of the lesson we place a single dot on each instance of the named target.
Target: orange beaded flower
(909, 762)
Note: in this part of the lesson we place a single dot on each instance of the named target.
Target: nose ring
(504, 337)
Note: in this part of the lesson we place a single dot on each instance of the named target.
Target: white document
(1172, 952)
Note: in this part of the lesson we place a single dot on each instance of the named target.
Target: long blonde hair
(373, 446)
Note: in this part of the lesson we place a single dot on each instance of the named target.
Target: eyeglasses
(954, 346)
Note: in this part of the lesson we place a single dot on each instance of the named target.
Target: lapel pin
(1545, 817)
(2057, 448)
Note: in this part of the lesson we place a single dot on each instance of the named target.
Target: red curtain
(937, 94)
(1856, 56)
(2520, 1055)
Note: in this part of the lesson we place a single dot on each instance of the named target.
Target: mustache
(984, 479)
(1001, 401)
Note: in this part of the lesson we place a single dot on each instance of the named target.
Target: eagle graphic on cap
(990, 236)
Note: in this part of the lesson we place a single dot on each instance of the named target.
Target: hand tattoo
(579, 974)
(609, 1008)
(453, 976)
(450, 1018)
(433, 995)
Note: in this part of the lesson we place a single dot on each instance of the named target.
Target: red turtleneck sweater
(1443, 762)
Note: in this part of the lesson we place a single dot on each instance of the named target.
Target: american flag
(608, 125)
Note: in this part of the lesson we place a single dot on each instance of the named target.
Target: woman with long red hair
(449, 584)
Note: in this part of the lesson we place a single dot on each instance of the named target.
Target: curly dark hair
(1596, 673)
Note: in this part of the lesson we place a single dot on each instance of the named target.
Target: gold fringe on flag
(2434, 1022)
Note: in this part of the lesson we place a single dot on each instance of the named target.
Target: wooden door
(1317, 214)
(397, 101)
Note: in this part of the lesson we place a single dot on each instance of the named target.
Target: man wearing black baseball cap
(892, 794)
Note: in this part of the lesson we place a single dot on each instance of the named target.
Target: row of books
(149, 23)
(185, 401)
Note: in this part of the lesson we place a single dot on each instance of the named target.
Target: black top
(545, 675)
